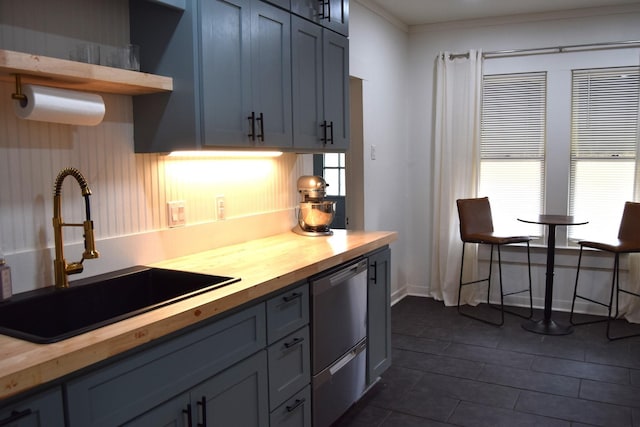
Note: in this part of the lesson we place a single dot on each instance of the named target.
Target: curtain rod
(556, 49)
(562, 49)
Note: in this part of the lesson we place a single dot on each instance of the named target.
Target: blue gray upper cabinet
(231, 65)
(320, 87)
(332, 14)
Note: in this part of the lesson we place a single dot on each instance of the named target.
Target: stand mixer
(314, 213)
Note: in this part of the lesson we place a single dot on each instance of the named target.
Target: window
(333, 171)
(582, 111)
(512, 161)
(604, 135)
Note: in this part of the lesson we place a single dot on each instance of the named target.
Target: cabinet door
(175, 412)
(42, 410)
(306, 52)
(308, 9)
(379, 318)
(271, 75)
(336, 89)
(336, 16)
(333, 14)
(226, 71)
(236, 397)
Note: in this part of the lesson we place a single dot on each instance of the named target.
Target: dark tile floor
(451, 370)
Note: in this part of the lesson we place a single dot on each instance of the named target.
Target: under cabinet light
(225, 154)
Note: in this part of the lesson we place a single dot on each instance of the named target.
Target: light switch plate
(176, 213)
(220, 207)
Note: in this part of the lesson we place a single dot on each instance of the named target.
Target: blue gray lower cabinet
(231, 398)
(379, 314)
(219, 374)
(251, 368)
(40, 410)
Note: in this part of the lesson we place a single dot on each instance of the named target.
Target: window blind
(512, 144)
(604, 139)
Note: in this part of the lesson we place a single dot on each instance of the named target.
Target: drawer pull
(298, 403)
(188, 412)
(15, 416)
(203, 404)
(374, 267)
(261, 120)
(252, 126)
(291, 297)
(330, 126)
(293, 342)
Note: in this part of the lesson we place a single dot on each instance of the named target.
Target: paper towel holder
(18, 94)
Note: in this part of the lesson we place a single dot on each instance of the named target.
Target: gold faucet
(60, 266)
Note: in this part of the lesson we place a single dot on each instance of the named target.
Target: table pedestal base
(547, 327)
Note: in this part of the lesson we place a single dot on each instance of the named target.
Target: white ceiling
(418, 12)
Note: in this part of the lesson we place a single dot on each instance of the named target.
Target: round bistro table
(546, 325)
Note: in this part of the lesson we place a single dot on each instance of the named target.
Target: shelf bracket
(18, 94)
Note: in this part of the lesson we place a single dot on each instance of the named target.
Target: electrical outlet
(373, 152)
(176, 213)
(220, 207)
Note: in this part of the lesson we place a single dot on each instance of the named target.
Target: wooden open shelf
(62, 73)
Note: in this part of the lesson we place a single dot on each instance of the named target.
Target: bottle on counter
(5, 279)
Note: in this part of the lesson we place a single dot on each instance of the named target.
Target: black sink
(49, 315)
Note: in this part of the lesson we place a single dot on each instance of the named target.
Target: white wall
(534, 31)
(376, 44)
(379, 56)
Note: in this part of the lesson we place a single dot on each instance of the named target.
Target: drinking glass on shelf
(86, 52)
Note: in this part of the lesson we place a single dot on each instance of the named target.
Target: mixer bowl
(316, 215)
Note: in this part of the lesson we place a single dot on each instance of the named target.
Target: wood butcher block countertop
(264, 265)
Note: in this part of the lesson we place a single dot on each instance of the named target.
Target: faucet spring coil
(74, 173)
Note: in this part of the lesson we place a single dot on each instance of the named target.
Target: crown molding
(526, 18)
(368, 4)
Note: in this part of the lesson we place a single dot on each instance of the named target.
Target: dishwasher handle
(322, 284)
(329, 372)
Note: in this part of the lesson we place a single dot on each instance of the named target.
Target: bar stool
(476, 226)
(628, 241)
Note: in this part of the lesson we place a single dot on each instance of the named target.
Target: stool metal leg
(502, 293)
(616, 280)
(576, 296)
(615, 290)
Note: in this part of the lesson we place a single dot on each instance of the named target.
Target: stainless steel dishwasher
(339, 340)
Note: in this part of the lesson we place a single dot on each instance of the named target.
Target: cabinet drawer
(289, 366)
(295, 412)
(123, 390)
(287, 312)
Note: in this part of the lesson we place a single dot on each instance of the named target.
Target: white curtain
(456, 168)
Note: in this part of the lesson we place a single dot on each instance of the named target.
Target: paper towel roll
(47, 104)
